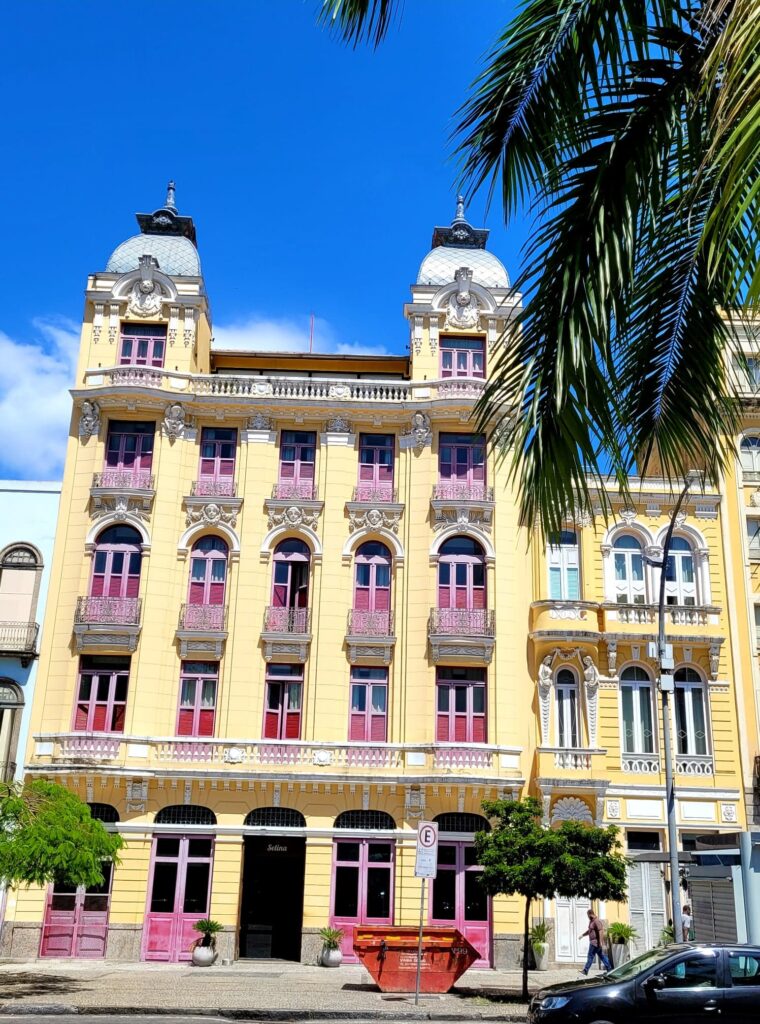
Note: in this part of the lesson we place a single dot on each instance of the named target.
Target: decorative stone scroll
(213, 513)
(293, 516)
(89, 419)
(386, 518)
(175, 421)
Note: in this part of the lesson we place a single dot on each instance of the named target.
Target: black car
(680, 984)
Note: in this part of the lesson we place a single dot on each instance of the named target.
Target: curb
(12, 1009)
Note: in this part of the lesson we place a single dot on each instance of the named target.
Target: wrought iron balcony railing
(287, 620)
(133, 479)
(112, 611)
(285, 490)
(376, 494)
(461, 622)
(203, 618)
(366, 623)
(213, 487)
(459, 490)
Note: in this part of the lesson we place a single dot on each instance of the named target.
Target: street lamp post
(667, 686)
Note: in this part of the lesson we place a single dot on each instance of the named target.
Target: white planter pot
(204, 956)
(331, 958)
(542, 959)
(618, 953)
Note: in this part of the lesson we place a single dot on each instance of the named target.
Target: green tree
(522, 856)
(48, 834)
(633, 129)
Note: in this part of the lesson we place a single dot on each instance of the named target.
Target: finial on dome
(170, 203)
(459, 216)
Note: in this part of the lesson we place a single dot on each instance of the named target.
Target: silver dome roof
(175, 255)
(441, 263)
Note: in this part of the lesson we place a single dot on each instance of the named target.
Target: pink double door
(362, 888)
(178, 895)
(457, 899)
(76, 919)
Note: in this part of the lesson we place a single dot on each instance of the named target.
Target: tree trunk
(526, 946)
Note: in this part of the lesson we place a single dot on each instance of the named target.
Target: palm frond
(360, 20)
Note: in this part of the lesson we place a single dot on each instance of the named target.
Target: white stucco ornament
(463, 309)
(89, 419)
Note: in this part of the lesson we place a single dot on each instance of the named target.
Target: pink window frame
(475, 474)
(196, 707)
(292, 591)
(368, 685)
(82, 919)
(460, 868)
(182, 860)
(363, 864)
(142, 461)
(474, 596)
(457, 345)
(302, 481)
(284, 683)
(469, 717)
(129, 581)
(92, 703)
(376, 593)
(209, 556)
(158, 335)
(223, 467)
(369, 474)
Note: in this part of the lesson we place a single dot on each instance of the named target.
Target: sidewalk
(263, 990)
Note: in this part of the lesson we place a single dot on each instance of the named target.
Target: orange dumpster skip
(390, 956)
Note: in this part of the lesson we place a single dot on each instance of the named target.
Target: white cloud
(287, 334)
(35, 405)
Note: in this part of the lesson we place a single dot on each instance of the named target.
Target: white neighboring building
(28, 513)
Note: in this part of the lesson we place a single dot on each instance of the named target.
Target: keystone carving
(420, 431)
(89, 419)
(175, 421)
(212, 514)
(374, 519)
(293, 515)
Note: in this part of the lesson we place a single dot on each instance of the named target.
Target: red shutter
(206, 722)
(357, 726)
(460, 597)
(196, 592)
(133, 576)
(377, 728)
(80, 719)
(479, 729)
(271, 725)
(361, 599)
(287, 471)
(444, 596)
(185, 722)
(98, 583)
(216, 593)
(442, 727)
(292, 725)
(99, 723)
(118, 718)
(460, 728)
(114, 585)
(479, 597)
(208, 467)
(146, 458)
(226, 467)
(280, 595)
(382, 599)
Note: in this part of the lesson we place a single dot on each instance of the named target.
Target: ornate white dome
(175, 255)
(461, 245)
(440, 265)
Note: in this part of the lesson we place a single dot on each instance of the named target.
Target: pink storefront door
(362, 888)
(178, 895)
(457, 899)
(76, 920)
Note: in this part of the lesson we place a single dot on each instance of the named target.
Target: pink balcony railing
(365, 623)
(136, 479)
(378, 494)
(461, 622)
(287, 620)
(115, 611)
(203, 618)
(213, 487)
(462, 490)
(286, 489)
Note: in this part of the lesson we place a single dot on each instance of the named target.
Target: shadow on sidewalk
(23, 984)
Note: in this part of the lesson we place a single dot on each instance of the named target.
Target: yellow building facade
(292, 613)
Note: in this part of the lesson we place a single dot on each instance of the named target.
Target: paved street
(263, 989)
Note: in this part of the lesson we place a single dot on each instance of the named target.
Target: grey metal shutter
(713, 910)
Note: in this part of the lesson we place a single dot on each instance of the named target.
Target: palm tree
(633, 128)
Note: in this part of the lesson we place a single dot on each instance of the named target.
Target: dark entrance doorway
(271, 913)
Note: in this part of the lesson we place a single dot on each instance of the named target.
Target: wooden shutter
(185, 722)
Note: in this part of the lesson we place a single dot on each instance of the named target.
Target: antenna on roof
(170, 204)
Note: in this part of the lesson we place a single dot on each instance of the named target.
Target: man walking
(595, 932)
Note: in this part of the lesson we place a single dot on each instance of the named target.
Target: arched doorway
(457, 899)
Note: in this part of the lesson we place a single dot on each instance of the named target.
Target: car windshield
(641, 963)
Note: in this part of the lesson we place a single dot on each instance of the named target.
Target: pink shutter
(119, 714)
(216, 593)
(366, 472)
(442, 727)
(377, 728)
(185, 722)
(206, 722)
(361, 598)
(133, 576)
(207, 467)
(460, 597)
(99, 723)
(460, 728)
(287, 471)
(226, 467)
(271, 725)
(280, 595)
(479, 597)
(146, 457)
(98, 585)
(196, 595)
(382, 599)
(80, 719)
(292, 725)
(357, 729)
(478, 728)
(116, 579)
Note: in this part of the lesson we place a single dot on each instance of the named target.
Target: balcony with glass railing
(462, 635)
(106, 624)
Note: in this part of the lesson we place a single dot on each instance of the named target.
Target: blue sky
(314, 172)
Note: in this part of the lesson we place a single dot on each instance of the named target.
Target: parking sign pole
(425, 866)
(419, 943)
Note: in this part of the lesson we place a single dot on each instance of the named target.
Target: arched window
(11, 706)
(462, 587)
(290, 587)
(208, 572)
(638, 713)
(680, 580)
(453, 821)
(106, 813)
(372, 589)
(749, 454)
(628, 560)
(564, 570)
(364, 820)
(20, 574)
(275, 817)
(691, 713)
(117, 563)
(185, 814)
(566, 689)
(20, 557)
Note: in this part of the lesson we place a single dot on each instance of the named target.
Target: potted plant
(331, 954)
(667, 935)
(204, 949)
(539, 935)
(620, 935)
